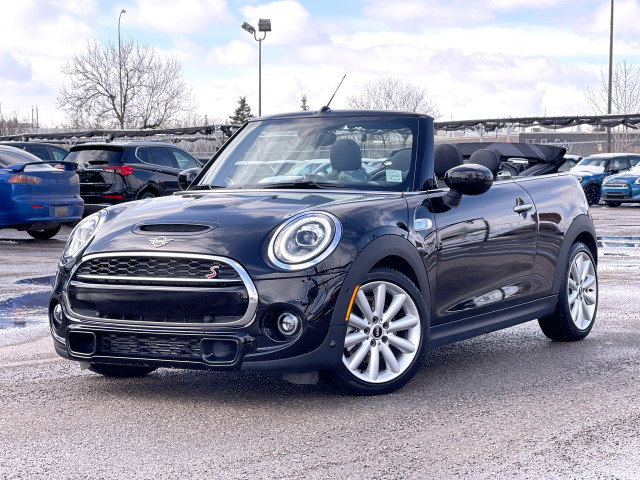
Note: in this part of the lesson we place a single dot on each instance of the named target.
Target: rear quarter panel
(559, 201)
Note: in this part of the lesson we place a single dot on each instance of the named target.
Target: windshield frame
(412, 121)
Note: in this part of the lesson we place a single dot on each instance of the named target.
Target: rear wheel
(119, 371)
(613, 204)
(592, 192)
(577, 300)
(386, 336)
(146, 195)
(44, 234)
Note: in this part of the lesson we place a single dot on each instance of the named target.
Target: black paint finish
(480, 264)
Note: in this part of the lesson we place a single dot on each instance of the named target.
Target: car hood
(242, 221)
(625, 177)
(587, 170)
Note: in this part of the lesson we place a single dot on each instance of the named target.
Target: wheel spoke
(389, 358)
(586, 315)
(379, 296)
(572, 297)
(354, 338)
(363, 305)
(579, 313)
(584, 271)
(574, 310)
(404, 323)
(405, 346)
(574, 271)
(394, 307)
(589, 298)
(356, 358)
(589, 282)
(572, 284)
(357, 322)
(374, 363)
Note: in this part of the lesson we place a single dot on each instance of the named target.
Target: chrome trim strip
(252, 292)
(156, 279)
(169, 288)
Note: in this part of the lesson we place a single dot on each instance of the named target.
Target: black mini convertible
(338, 242)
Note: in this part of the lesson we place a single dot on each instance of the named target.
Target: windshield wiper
(304, 184)
(205, 187)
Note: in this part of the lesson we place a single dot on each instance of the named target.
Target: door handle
(522, 207)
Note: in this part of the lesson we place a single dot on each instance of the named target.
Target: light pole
(264, 26)
(120, 66)
(610, 77)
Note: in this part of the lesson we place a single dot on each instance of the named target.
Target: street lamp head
(123, 11)
(264, 25)
(248, 28)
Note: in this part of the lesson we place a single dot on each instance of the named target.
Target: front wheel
(613, 204)
(592, 192)
(44, 234)
(386, 336)
(119, 371)
(575, 313)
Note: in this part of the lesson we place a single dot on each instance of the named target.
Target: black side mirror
(613, 171)
(469, 179)
(186, 177)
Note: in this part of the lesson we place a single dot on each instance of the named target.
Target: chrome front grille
(161, 288)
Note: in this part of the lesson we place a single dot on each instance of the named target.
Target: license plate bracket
(60, 212)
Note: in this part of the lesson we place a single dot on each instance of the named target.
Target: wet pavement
(509, 405)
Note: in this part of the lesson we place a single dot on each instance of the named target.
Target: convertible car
(350, 273)
(35, 196)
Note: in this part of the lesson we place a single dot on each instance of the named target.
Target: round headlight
(637, 181)
(82, 235)
(606, 180)
(304, 240)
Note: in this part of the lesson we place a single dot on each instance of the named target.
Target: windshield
(592, 162)
(366, 153)
(99, 156)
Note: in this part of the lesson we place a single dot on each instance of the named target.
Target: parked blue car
(623, 187)
(36, 196)
(591, 171)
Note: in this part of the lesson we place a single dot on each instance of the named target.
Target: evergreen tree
(304, 106)
(242, 113)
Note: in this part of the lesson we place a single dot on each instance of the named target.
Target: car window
(58, 153)
(618, 164)
(160, 156)
(183, 160)
(12, 157)
(39, 151)
(634, 161)
(142, 154)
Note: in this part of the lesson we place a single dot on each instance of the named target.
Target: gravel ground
(507, 405)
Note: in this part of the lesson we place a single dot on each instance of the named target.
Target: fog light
(288, 324)
(58, 316)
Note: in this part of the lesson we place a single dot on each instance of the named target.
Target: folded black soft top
(532, 152)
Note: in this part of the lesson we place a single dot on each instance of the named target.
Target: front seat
(445, 157)
(487, 158)
(346, 161)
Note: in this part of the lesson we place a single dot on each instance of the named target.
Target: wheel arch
(581, 230)
(148, 188)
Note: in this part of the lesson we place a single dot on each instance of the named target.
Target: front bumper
(315, 299)
(625, 194)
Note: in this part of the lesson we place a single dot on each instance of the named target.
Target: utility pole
(120, 68)
(610, 77)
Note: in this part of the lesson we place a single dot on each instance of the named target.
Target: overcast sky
(477, 59)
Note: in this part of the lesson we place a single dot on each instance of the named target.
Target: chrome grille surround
(204, 285)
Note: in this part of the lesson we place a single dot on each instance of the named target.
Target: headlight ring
(304, 240)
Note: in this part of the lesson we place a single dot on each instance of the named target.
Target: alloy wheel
(384, 332)
(582, 291)
(593, 195)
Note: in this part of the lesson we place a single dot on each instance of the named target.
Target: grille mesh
(161, 267)
(151, 346)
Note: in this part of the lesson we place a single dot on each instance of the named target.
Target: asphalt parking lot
(507, 405)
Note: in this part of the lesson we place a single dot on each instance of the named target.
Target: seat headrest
(345, 155)
(401, 160)
(487, 158)
(445, 157)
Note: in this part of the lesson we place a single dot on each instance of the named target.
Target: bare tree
(151, 94)
(389, 93)
(625, 98)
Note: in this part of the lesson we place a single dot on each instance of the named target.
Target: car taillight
(123, 170)
(58, 166)
(25, 179)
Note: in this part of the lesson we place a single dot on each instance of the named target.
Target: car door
(183, 159)
(166, 169)
(484, 250)
(618, 164)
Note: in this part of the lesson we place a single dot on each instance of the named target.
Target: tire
(146, 195)
(377, 377)
(592, 192)
(564, 325)
(120, 371)
(613, 204)
(44, 234)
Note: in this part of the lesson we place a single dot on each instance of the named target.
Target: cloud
(13, 69)
(427, 12)
(289, 21)
(235, 53)
(626, 18)
(186, 16)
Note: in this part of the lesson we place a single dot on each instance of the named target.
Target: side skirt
(490, 322)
